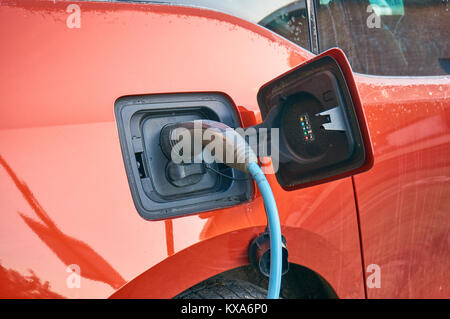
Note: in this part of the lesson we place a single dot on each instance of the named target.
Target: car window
(388, 37)
(291, 22)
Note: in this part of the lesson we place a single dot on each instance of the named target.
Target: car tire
(224, 289)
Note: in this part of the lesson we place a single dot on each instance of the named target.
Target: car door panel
(404, 200)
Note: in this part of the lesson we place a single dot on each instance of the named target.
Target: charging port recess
(160, 188)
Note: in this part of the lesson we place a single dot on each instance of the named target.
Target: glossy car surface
(64, 194)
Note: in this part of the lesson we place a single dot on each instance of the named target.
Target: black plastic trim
(132, 111)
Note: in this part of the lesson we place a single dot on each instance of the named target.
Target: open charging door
(323, 132)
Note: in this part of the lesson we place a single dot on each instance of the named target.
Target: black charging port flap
(322, 127)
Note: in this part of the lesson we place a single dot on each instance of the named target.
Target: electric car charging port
(161, 188)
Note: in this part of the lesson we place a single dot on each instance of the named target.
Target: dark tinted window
(388, 37)
(290, 22)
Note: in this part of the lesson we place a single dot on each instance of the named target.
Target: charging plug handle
(203, 132)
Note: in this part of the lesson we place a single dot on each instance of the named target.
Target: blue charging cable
(244, 160)
(273, 221)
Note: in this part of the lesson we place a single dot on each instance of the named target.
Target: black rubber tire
(223, 289)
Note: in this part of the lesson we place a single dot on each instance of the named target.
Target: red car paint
(404, 200)
(65, 197)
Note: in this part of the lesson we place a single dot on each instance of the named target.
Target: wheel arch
(223, 255)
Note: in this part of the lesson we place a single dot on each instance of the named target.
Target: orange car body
(64, 192)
